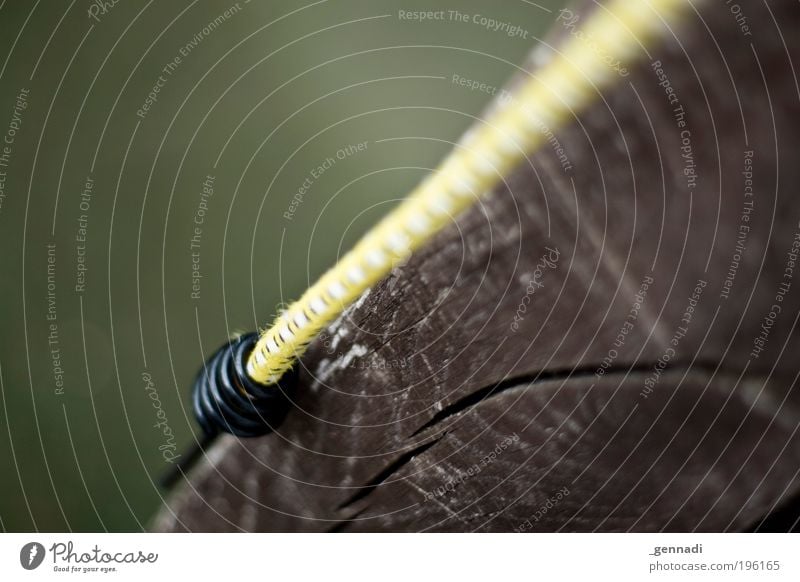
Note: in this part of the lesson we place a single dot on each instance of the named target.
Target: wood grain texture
(430, 409)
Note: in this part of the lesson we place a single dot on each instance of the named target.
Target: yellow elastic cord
(612, 34)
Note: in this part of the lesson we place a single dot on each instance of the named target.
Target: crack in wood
(342, 525)
(492, 390)
(391, 468)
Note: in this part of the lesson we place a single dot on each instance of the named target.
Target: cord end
(227, 399)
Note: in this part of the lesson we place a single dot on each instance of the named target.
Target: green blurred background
(262, 95)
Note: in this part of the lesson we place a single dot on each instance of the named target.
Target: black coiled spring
(226, 399)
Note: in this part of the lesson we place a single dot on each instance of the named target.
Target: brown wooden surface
(425, 376)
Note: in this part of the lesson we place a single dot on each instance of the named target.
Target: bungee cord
(243, 388)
